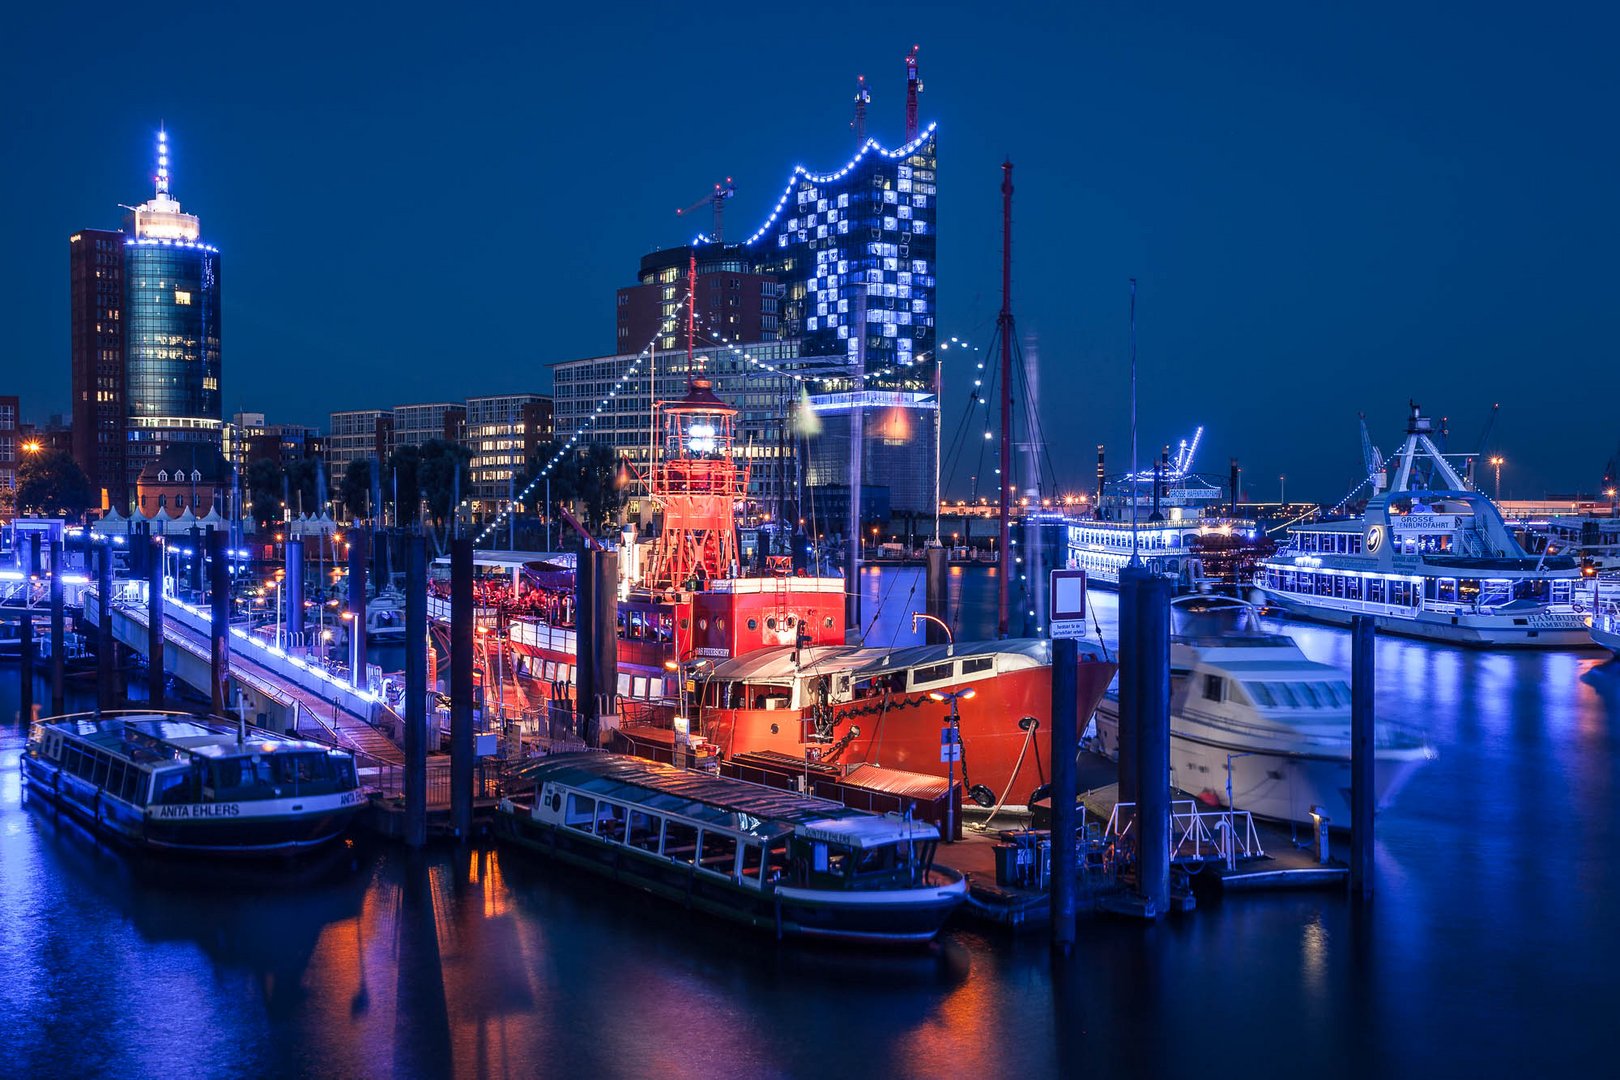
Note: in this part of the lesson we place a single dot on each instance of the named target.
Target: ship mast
(1004, 327)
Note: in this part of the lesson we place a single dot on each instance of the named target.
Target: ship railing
(389, 778)
(1197, 834)
(1386, 733)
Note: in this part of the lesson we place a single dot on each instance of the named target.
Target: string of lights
(568, 446)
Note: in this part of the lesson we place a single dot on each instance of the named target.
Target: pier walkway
(279, 689)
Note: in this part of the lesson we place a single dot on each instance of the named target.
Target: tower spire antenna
(913, 88)
(162, 161)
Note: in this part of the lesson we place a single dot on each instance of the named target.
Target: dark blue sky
(1327, 210)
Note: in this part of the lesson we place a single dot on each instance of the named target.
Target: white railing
(1197, 835)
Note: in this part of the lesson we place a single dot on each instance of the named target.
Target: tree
(399, 484)
(590, 477)
(355, 489)
(264, 490)
(438, 464)
(51, 484)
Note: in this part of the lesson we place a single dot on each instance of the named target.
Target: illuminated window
(181, 296)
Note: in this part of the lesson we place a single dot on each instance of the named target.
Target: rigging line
(883, 598)
(1032, 416)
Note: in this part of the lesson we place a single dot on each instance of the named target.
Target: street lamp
(950, 749)
(1496, 463)
(950, 638)
(683, 721)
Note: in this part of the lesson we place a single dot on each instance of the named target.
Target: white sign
(1068, 628)
(950, 745)
(1067, 607)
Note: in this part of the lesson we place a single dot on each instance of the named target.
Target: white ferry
(1428, 558)
(1167, 517)
(1606, 623)
(181, 783)
(772, 859)
(1255, 723)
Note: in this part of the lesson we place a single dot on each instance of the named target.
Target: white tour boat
(1250, 714)
(1428, 558)
(191, 784)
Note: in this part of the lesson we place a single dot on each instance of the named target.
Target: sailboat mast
(1004, 327)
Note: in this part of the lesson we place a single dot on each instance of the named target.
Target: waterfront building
(416, 424)
(732, 298)
(184, 476)
(100, 422)
(145, 311)
(357, 435)
(171, 322)
(10, 450)
(249, 438)
(503, 431)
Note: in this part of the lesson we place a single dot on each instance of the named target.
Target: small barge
(174, 782)
(779, 861)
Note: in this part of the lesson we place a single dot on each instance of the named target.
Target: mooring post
(293, 587)
(197, 548)
(416, 646)
(1153, 743)
(58, 628)
(219, 610)
(106, 643)
(598, 650)
(938, 594)
(25, 657)
(1130, 682)
(461, 686)
(35, 563)
(1363, 794)
(1065, 788)
(154, 622)
(359, 540)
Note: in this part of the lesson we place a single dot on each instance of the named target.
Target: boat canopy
(761, 811)
(779, 665)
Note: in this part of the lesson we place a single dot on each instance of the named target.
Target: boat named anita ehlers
(182, 783)
(773, 859)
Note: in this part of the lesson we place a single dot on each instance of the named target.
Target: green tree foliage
(436, 470)
(590, 479)
(263, 483)
(399, 478)
(355, 488)
(51, 484)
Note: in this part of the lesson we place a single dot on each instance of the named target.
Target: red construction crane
(863, 98)
(913, 88)
(717, 198)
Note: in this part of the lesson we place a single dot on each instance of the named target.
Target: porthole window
(686, 624)
(753, 624)
(827, 622)
(770, 624)
(703, 624)
(719, 624)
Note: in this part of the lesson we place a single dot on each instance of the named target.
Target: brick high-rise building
(96, 314)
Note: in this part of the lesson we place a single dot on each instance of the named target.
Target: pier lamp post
(1497, 462)
(950, 751)
(1614, 508)
(1231, 842)
(682, 671)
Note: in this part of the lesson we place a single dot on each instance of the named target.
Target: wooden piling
(1153, 743)
(58, 628)
(1065, 788)
(154, 622)
(219, 610)
(461, 686)
(106, 643)
(416, 646)
(1363, 792)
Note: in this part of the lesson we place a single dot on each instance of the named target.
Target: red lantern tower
(698, 485)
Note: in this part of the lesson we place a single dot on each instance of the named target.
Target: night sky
(1327, 211)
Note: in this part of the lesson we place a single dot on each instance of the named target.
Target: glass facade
(171, 327)
(859, 237)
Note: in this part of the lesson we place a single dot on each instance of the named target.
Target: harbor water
(1490, 948)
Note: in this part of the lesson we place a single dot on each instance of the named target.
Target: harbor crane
(716, 198)
(1484, 439)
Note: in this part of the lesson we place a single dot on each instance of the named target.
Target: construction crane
(1484, 439)
(863, 98)
(1372, 457)
(913, 88)
(716, 198)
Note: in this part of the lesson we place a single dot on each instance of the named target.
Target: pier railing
(1197, 835)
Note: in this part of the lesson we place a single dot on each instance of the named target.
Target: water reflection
(1494, 916)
